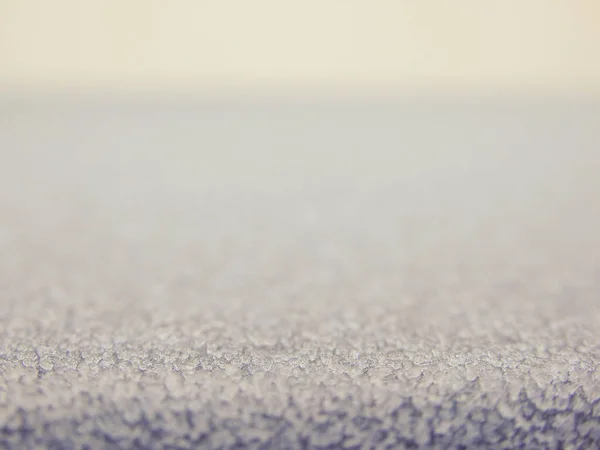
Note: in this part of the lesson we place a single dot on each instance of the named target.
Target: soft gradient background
(264, 46)
(371, 271)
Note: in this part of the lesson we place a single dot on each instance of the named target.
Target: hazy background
(391, 214)
(315, 46)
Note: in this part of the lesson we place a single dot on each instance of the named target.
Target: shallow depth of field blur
(298, 48)
(148, 113)
(176, 116)
(261, 222)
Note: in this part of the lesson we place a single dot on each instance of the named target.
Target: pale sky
(294, 45)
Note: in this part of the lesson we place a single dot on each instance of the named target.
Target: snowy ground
(299, 275)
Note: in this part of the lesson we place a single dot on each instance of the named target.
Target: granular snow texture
(309, 275)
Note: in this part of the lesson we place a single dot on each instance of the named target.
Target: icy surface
(309, 276)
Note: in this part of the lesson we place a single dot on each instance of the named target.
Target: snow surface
(319, 275)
